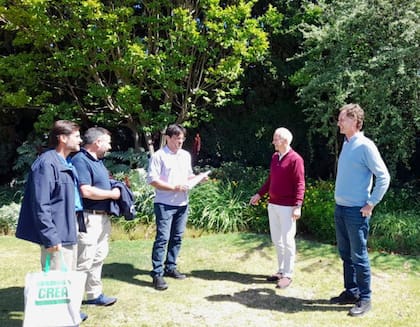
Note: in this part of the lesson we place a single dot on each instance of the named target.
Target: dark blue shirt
(92, 172)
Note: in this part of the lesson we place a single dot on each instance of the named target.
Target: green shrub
(143, 194)
(218, 207)
(396, 232)
(318, 211)
(257, 216)
(249, 179)
(397, 198)
(10, 198)
(221, 205)
(9, 214)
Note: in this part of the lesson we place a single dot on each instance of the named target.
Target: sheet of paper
(197, 179)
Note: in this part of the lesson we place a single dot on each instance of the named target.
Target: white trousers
(283, 231)
(92, 250)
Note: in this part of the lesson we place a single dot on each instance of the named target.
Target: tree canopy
(364, 51)
(143, 64)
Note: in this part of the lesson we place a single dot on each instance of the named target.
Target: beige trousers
(92, 250)
(69, 257)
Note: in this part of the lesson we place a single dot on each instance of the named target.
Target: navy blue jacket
(47, 215)
(124, 206)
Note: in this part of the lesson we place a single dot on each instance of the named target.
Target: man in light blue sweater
(356, 195)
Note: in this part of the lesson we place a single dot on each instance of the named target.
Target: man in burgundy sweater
(285, 186)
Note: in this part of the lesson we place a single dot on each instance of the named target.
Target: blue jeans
(352, 233)
(170, 226)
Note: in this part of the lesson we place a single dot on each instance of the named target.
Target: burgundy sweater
(285, 184)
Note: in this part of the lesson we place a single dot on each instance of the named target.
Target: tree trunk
(149, 142)
(135, 134)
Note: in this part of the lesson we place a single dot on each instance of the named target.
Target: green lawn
(225, 286)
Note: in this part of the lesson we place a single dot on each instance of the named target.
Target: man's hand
(254, 199)
(115, 193)
(296, 213)
(54, 248)
(367, 210)
(181, 188)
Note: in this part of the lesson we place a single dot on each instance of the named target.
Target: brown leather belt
(96, 212)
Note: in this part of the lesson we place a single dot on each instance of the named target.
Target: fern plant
(27, 153)
(124, 161)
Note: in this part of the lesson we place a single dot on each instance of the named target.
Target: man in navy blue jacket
(48, 212)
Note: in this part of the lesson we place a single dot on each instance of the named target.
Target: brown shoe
(284, 282)
(274, 277)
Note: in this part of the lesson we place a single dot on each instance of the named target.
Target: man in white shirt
(169, 171)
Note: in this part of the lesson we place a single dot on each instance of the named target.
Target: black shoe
(360, 308)
(159, 283)
(344, 298)
(174, 274)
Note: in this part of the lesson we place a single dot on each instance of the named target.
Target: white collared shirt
(172, 168)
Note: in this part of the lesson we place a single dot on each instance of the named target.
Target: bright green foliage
(318, 211)
(221, 204)
(144, 64)
(218, 206)
(366, 52)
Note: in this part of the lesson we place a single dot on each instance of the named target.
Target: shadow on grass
(229, 276)
(125, 272)
(268, 299)
(11, 306)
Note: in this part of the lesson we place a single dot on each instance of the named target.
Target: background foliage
(221, 206)
(135, 66)
(139, 64)
(364, 52)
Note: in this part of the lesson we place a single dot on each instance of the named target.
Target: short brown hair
(175, 129)
(61, 127)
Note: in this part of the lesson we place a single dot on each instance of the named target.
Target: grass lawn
(226, 286)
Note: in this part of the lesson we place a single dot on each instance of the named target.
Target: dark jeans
(352, 233)
(170, 226)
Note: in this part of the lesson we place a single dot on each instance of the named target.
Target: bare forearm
(95, 193)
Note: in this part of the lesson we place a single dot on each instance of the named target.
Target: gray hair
(93, 133)
(284, 133)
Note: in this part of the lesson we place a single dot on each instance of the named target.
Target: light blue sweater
(359, 161)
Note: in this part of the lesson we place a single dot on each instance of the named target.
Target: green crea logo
(52, 292)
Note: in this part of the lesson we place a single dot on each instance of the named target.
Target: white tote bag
(53, 297)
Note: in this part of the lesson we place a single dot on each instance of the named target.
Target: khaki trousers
(92, 250)
(69, 258)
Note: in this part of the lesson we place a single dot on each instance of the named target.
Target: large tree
(143, 64)
(364, 51)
